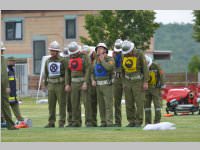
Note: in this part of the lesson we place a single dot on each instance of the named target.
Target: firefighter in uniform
(118, 85)
(5, 106)
(76, 81)
(86, 50)
(68, 94)
(135, 74)
(92, 89)
(13, 95)
(153, 93)
(102, 72)
(92, 97)
(54, 79)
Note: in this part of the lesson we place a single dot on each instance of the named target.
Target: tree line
(139, 26)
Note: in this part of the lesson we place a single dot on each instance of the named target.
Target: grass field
(188, 129)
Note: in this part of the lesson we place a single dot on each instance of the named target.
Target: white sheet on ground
(42, 101)
(160, 126)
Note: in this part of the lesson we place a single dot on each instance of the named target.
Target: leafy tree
(196, 27)
(194, 64)
(135, 25)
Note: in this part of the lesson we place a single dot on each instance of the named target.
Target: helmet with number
(118, 45)
(148, 60)
(102, 45)
(74, 48)
(54, 46)
(2, 46)
(127, 47)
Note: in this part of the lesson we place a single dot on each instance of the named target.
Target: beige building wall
(47, 24)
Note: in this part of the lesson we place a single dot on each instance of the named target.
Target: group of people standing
(88, 75)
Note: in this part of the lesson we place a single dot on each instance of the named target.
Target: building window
(39, 49)
(14, 30)
(70, 28)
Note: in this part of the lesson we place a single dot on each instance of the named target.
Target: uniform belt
(56, 80)
(81, 79)
(118, 74)
(105, 82)
(147, 109)
(133, 78)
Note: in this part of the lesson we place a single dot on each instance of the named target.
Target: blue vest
(118, 60)
(100, 71)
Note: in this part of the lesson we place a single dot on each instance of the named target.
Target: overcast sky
(174, 16)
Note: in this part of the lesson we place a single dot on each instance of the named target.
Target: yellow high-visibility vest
(153, 79)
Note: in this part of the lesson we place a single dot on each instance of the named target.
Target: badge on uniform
(54, 69)
(129, 64)
(76, 64)
(100, 71)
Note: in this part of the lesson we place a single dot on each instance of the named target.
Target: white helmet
(127, 47)
(55, 46)
(66, 51)
(2, 46)
(85, 48)
(74, 48)
(118, 45)
(101, 45)
(149, 60)
(92, 49)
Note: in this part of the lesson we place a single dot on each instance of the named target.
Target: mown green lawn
(188, 129)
